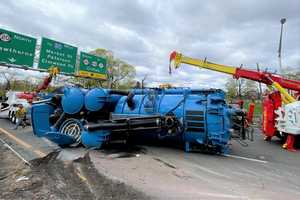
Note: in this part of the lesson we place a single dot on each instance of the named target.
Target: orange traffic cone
(289, 144)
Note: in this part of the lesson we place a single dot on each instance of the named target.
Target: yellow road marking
(28, 146)
(39, 153)
(24, 144)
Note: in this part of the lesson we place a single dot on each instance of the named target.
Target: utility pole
(282, 21)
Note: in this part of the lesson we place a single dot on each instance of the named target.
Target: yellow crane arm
(177, 59)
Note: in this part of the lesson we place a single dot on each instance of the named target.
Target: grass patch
(257, 108)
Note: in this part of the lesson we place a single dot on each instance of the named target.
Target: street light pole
(282, 21)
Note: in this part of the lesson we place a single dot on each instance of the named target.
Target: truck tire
(9, 115)
(13, 118)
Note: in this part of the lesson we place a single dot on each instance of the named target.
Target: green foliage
(18, 85)
(2, 93)
(231, 88)
(246, 89)
(87, 83)
(257, 108)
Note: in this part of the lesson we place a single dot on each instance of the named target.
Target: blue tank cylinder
(95, 99)
(95, 139)
(72, 100)
(203, 114)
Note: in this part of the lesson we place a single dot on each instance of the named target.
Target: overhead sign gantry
(18, 51)
(92, 66)
(54, 53)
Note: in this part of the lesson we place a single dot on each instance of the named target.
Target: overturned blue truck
(196, 119)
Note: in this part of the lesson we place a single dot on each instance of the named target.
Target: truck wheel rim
(72, 128)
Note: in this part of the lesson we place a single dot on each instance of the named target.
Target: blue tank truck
(197, 119)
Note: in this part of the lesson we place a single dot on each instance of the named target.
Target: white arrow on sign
(12, 60)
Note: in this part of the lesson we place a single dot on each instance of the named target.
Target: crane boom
(267, 78)
(53, 71)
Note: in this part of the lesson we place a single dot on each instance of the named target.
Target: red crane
(273, 101)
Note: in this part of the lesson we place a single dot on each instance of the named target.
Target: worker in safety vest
(20, 115)
(250, 112)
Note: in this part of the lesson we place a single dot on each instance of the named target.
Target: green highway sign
(57, 54)
(92, 66)
(16, 48)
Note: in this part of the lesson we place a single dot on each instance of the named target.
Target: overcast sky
(144, 32)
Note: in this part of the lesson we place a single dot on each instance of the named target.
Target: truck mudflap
(60, 139)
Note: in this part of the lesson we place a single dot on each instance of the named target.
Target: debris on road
(22, 178)
(51, 178)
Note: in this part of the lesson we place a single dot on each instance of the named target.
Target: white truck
(9, 107)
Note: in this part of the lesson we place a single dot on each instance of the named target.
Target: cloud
(144, 32)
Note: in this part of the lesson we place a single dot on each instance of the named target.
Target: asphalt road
(262, 170)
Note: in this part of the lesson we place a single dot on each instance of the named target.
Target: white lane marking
(220, 195)
(245, 158)
(212, 172)
(15, 152)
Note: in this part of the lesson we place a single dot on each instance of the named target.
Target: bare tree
(143, 81)
(240, 85)
(8, 77)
